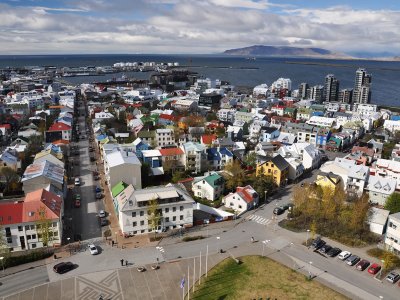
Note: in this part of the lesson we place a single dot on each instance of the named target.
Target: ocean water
(238, 70)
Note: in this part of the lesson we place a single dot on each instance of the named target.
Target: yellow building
(277, 167)
(328, 180)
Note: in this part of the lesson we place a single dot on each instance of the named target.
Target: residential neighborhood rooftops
(118, 188)
(171, 151)
(121, 157)
(280, 162)
(59, 126)
(45, 168)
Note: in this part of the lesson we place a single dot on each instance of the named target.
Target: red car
(374, 268)
(77, 203)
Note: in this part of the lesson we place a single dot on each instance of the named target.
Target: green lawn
(259, 278)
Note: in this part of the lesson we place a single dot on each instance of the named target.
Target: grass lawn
(259, 278)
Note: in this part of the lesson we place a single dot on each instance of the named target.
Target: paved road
(84, 219)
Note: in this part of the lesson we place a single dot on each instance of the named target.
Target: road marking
(258, 219)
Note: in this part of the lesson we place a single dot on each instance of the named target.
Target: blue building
(218, 158)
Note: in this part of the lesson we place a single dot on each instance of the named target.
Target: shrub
(36, 255)
(192, 238)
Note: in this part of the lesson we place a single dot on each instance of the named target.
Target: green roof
(118, 188)
(290, 109)
(214, 180)
(147, 134)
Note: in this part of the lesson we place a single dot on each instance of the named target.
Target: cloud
(183, 26)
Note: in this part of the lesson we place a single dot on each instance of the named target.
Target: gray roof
(280, 162)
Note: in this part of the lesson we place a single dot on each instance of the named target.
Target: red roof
(6, 126)
(185, 180)
(167, 117)
(59, 126)
(11, 213)
(60, 142)
(27, 210)
(207, 139)
(171, 151)
(246, 193)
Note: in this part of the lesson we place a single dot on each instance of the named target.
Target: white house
(379, 189)
(322, 121)
(392, 237)
(377, 220)
(195, 157)
(309, 155)
(123, 165)
(357, 179)
(175, 205)
(261, 89)
(165, 137)
(226, 115)
(385, 168)
(244, 199)
(392, 125)
(19, 221)
(211, 186)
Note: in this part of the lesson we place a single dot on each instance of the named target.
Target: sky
(196, 26)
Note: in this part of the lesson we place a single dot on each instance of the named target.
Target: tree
(235, 175)
(44, 226)
(393, 203)
(154, 215)
(262, 184)
(220, 131)
(9, 176)
(211, 116)
(359, 216)
(177, 176)
(251, 159)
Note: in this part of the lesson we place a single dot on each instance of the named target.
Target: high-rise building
(345, 95)
(317, 93)
(303, 87)
(362, 86)
(331, 88)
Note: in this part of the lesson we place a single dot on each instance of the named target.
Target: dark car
(362, 265)
(352, 260)
(63, 267)
(318, 243)
(278, 210)
(325, 248)
(334, 252)
(103, 222)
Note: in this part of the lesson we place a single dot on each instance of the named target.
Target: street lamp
(309, 270)
(2, 262)
(116, 238)
(218, 238)
(264, 243)
(308, 230)
(69, 246)
(265, 196)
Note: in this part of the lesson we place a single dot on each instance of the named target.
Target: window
(230, 204)
(134, 224)
(181, 217)
(167, 209)
(32, 227)
(33, 246)
(55, 233)
(167, 219)
(19, 228)
(135, 232)
(33, 236)
(142, 231)
(54, 224)
(28, 237)
(174, 218)
(133, 214)
(174, 209)
(240, 206)
(27, 227)
(9, 240)
(141, 213)
(181, 208)
(141, 223)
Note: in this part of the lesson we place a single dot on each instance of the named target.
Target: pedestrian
(112, 243)
(122, 262)
(126, 263)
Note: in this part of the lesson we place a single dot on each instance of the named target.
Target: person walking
(126, 263)
(122, 262)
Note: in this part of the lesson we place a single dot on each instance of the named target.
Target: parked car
(362, 265)
(103, 222)
(99, 195)
(91, 149)
(102, 214)
(98, 189)
(77, 181)
(334, 252)
(63, 267)
(393, 277)
(374, 268)
(278, 211)
(93, 249)
(318, 243)
(325, 248)
(77, 203)
(344, 255)
(78, 197)
(352, 260)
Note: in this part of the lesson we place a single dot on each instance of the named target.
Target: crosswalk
(259, 219)
(161, 249)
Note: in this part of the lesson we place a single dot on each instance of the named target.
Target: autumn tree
(251, 159)
(263, 185)
(359, 216)
(393, 203)
(44, 226)
(235, 175)
(9, 176)
(154, 215)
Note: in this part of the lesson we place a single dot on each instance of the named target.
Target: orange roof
(207, 139)
(41, 199)
(59, 126)
(171, 151)
(61, 142)
(246, 193)
(56, 106)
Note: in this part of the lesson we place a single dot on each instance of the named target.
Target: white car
(102, 214)
(77, 181)
(93, 249)
(344, 255)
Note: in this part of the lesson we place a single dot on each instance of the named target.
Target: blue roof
(395, 118)
(101, 137)
(318, 113)
(214, 154)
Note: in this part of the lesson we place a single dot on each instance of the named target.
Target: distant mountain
(260, 50)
